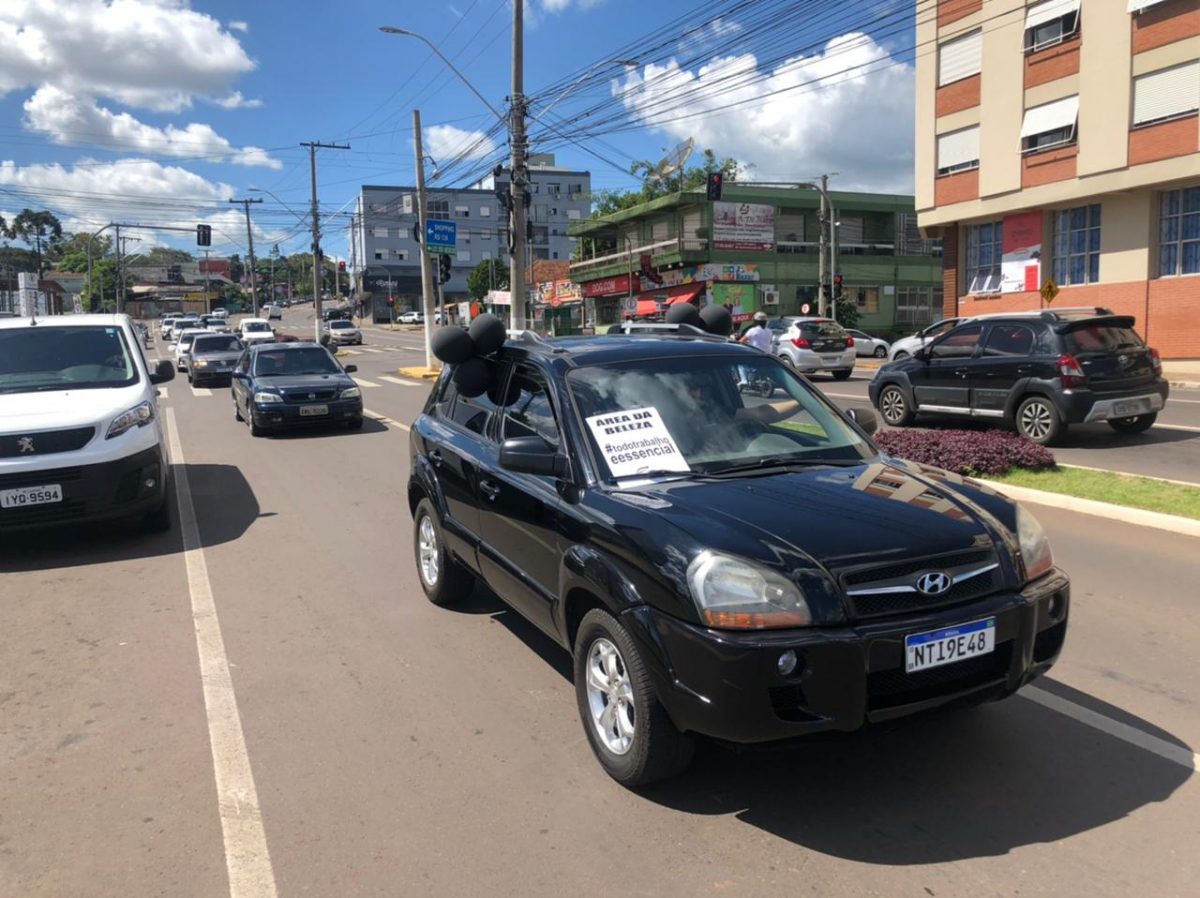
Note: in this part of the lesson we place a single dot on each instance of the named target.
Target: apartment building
(1059, 141)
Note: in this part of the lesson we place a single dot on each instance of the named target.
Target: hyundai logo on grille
(25, 444)
(934, 583)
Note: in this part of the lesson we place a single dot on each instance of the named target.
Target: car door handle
(962, 372)
(489, 489)
(1024, 369)
(435, 456)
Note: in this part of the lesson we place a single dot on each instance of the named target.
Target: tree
(162, 256)
(236, 269)
(103, 291)
(39, 230)
(490, 274)
(77, 243)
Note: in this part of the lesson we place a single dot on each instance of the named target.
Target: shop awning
(668, 296)
(647, 307)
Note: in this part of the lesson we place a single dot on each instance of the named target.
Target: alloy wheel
(427, 550)
(1037, 419)
(610, 696)
(891, 403)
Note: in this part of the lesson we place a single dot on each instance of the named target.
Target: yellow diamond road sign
(1049, 290)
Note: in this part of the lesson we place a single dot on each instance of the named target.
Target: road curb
(421, 373)
(1184, 385)
(1136, 516)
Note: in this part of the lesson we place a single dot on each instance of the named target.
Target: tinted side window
(958, 345)
(1009, 340)
(529, 412)
(474, 412)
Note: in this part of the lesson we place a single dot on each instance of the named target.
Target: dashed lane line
(201, 391)
(384, 419)
(400, 381)
(247, 859)
(363, 382)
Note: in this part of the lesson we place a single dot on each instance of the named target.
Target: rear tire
(445, 581)
(880, 352)
(629, 731)
(843, 374)
(1138, 424)
(900, 355)
(894, 407)
(1038, 420)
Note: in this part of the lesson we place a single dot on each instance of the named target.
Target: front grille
(881, 604)
(42, 514)
(892, 688)
(870, 574)
(45, 442)
(40, 478)
(299, 396)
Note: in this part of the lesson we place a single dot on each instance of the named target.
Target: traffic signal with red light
(443, 268)
(715, 182)
(837, 286)
(341, 265)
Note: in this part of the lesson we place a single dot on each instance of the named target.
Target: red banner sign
(610, 286)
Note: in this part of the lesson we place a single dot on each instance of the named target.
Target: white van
(80, 435)
(255, 330)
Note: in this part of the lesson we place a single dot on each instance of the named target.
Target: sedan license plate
(937, 647)
(831, 360)
(311, 411)
(1130, 407)
(31, 495)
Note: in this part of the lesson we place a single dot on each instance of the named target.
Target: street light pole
(313, 146)
(516, 183)
(250, 241)
(426, 262)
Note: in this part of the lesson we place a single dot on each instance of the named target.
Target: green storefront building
(758, 248)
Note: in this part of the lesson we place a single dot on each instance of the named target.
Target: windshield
(45, 357)
(719, 414)
(205, 345)
(256, 326)
(312, 360)
(822, 330)
(186, 338)
(340, 325)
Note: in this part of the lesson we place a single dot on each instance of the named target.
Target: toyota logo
(934, 583)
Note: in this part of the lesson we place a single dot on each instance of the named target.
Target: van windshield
(44, 357)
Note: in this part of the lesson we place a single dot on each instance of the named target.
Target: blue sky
(154, 110)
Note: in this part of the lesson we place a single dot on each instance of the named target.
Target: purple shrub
(967, 452)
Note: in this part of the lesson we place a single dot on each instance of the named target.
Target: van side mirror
(532, 455)
(864, 416)
(163, 372)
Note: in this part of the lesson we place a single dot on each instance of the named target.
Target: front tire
(1038, 420)
(629, 731)
(880, 352)
(445, 581)
(1139, 424)
(900, 355)
(894, 407)
(256, 429)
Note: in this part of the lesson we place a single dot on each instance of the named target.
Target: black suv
(720, 564)
(1036, 371)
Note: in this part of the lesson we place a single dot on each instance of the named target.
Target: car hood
(61, 409)
(836, 517)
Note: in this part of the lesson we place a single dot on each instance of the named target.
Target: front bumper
(287, 414)
(727, 685)
(104, 491)
(212, 373)
(345, 340)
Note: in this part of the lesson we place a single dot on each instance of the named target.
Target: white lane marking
(1180, 754)
(363, 382)
(162, 393)
(246, 857)
(1182, 427)
(384, 419)
(399, 380)
(201, 391)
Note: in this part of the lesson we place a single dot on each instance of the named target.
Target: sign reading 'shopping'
(441, 236)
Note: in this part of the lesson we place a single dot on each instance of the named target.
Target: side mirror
(865, 417)
(163, 372)
(532, 455)
(350, 369)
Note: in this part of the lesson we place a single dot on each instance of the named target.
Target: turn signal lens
(1156, 361)
(732, 594)
(1071, 372)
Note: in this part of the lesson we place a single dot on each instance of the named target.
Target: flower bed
(967, 452)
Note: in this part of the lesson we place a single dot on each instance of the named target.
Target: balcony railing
(633, 255)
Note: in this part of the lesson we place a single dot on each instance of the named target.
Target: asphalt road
(400, 749)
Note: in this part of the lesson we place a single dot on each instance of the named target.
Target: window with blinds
(1050, 22)
(960, 58)
(850, 230)
(1049, 125)
(958, 151)
(1166, 94)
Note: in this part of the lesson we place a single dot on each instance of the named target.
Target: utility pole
(313, 146)
(823, 258)
(207, 300)
(426, 261)
(517, 182)
(250, 241)
(119, 298)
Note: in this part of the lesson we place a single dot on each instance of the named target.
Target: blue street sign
(441, 236)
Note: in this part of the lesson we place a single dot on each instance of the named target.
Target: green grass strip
(1119, 489)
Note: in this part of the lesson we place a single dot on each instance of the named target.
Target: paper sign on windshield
(636, 441)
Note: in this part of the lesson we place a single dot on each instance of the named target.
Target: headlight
(267, 398)
(200, 363)
(1035, 548)
(351, 393)
(138, 416)
(735, 595)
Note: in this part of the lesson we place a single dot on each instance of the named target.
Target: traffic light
(837, 286)
(443, 268)
(341, 265)
(417, 232)
(203, 235)
(715, 180)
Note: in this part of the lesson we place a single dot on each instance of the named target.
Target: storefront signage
(710, 272)
(610, 286)
(743, 226)
(1021, 262)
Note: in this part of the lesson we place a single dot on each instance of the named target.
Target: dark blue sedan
(280, 385)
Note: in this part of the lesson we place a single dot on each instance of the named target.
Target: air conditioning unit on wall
(770, 296)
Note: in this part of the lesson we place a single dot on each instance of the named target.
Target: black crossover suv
(1036, 371)
(720, 564)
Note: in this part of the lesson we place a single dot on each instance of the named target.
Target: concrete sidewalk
(1183, 373)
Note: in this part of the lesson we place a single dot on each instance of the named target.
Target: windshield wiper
(661, 472)
(770, 464)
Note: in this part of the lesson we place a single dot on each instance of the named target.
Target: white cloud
(851, 111)
(457, 13)
(709, 37)
(235, 100)
(557, 6)
(154, 54)
(69, 119)
(444, 142)
(239, 26)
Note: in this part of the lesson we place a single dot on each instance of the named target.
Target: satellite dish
(675, 160)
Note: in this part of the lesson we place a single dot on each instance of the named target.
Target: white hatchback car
(183, 345)
(80, 435)
(255, 330)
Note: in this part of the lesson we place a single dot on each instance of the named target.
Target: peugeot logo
(934, 583)
(312, 395)
(25, 444)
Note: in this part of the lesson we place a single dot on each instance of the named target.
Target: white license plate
(937, 647)
(1130, 407)
(831, 360)
(307, 411)
(31, 495)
